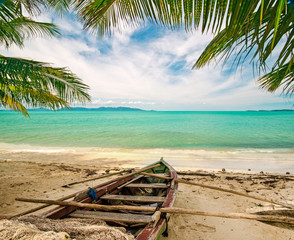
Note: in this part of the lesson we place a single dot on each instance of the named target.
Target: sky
(149, 67)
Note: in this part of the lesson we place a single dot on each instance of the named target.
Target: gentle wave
(42, 149)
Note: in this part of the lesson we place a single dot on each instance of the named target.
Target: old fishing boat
(140, 189)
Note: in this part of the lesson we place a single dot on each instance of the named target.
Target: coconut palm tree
(27, 83)
(261, 30)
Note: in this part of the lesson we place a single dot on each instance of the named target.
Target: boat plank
(132, 180)
(160, 174)
(148, 185)
(155, 175)
(151, 199)
(110, 216)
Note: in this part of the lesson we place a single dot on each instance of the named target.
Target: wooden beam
(99, 177)
(136, 225)
(155, 218)
(97, 186)
(156, 176)
(132, 180)
(236, 193)
(147, 185)
(113, 217)
(265, 218)
(149, 199)
(89, 205)
(287, 205)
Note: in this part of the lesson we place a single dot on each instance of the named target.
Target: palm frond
(34, 84)
(36, 7)
(16, 97)
(103, 16)
(26, 83)
(21, 28)
(15, 28)
(33, 7)
(34, 97)
(258, 45)
(9, 101)
(255, 27)
(8, 11)
(281, 77)
(61, 6)
(40, 75)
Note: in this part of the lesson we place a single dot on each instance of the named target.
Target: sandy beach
(39, 174)
(199, 92)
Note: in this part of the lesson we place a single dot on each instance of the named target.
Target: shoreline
(41, 148)
(181, 159)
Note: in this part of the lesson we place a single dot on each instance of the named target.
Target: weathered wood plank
(162, 176)
(151, 199)
(148, 185)
(110, 216)
(133, 180)
(99, 177)
(90, 205)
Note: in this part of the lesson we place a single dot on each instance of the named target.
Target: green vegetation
(26, 83)
(261, 30)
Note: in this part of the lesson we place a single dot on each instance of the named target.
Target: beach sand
(39, 174)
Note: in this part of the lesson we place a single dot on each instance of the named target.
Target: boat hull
(117, 187)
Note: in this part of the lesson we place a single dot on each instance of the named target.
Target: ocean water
(243, 131)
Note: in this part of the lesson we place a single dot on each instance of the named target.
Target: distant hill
(105, 109)
(277, 110)
(121, 109)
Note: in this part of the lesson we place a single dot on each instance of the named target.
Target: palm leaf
(103, 16)
(34, 97)
(281, 77)
(255, 27)
(8, 11)
(21, 28)
(35, 84)
(42, 76)
(33, 7)
(15, 28)
(26, 83)
(9, 101)
(259, 45)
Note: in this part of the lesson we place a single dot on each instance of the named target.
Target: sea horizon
(245, 131)
(234, 140)
(121, 108)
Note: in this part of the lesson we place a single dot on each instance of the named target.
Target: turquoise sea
(254, 131)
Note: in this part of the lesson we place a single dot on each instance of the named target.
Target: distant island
(104, 109)
(276, 110)
(120, 109)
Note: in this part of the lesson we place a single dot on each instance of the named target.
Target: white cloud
(141, 73)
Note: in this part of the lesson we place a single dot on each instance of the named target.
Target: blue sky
(150, 68)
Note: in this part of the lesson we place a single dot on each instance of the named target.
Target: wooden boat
(134, 190)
